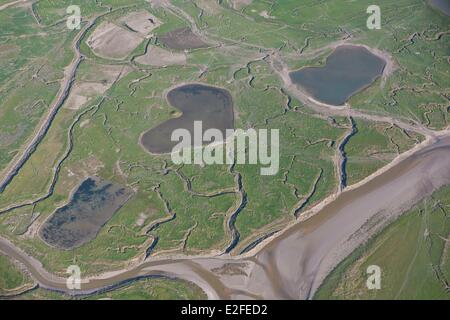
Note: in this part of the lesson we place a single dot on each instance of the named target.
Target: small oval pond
(213, 106)
(348, 70)
(92, 205)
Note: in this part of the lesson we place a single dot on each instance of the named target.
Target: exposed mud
(113, 42)
(158, 57)
(182, 39)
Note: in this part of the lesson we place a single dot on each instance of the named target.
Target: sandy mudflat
(113, 42)
(159, 57)
(142, 22)
(182, 39)
(239, 4)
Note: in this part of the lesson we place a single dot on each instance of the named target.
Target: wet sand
(294, 264)
(304, 255)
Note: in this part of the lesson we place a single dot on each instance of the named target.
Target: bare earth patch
(104, 73)
(142, 22)
(83, 92)
(159, 57)
(182, 39)
(93, 84)
(210, 7)
(155, 4)
(112, 42)
(266, 15)
(8, 51)
(239, 4)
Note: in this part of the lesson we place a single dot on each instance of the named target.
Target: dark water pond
(348, 70)
(92, 205)
(443, 5)
(213, 106)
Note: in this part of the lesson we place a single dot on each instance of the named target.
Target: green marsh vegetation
(100, 136)
(12, 279)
